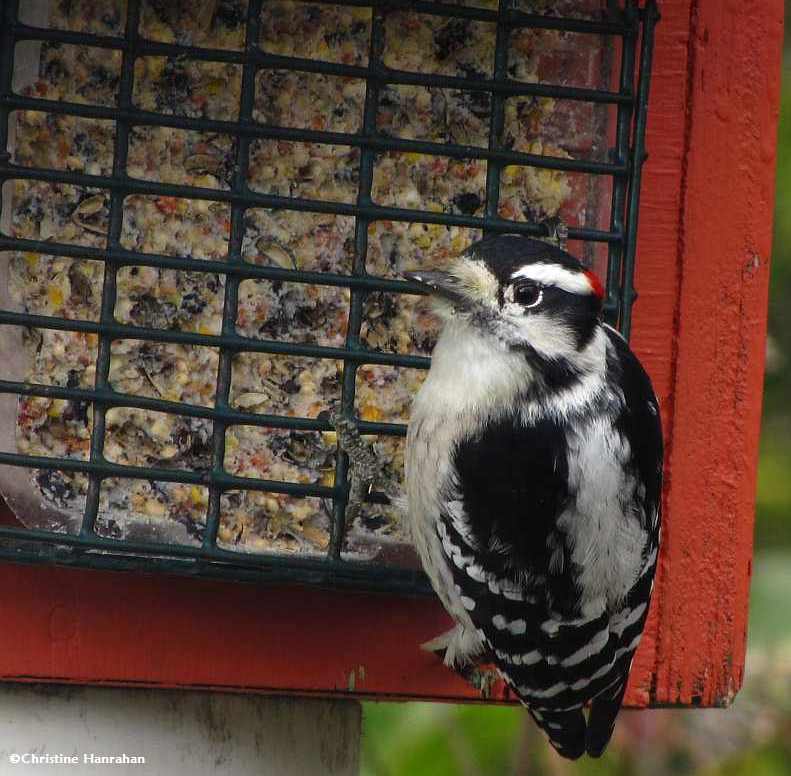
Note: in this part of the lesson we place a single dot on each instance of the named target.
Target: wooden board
(703, 253)
(175, 732)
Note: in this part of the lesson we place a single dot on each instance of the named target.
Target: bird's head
(524, 293)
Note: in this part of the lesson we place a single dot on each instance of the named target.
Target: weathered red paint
(720, 244)
(699, 327)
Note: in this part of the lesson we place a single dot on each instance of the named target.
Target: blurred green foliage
(774, 472)
(753, 738)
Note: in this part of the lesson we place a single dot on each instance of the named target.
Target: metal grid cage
(631, 24)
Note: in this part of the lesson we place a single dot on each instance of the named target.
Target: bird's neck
(476, 375)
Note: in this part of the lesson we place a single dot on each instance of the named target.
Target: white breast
(471, 374)
(472, 379)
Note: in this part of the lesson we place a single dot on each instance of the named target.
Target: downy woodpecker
(534, 471)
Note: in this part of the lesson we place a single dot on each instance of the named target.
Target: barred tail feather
(565, 730)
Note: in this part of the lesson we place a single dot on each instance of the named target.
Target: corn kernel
(371, 412)
(55, 296)
(56, 408)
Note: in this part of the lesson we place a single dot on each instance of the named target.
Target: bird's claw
(482, 678)
(557, 231)
(362, 459)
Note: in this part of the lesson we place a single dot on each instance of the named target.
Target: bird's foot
(557, 231)
(460, 649)
(482, 677)
(363, 464)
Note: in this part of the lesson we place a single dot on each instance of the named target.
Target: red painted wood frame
(702, 273)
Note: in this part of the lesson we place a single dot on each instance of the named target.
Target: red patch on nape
(595, 283)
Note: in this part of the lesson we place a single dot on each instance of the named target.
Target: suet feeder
(205, 213)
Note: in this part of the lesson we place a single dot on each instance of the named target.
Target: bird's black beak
(441, 284)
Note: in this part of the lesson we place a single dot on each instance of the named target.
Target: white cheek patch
(545, 333)
(557, 276)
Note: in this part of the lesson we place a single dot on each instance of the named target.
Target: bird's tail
(601, 719)
(565, 730)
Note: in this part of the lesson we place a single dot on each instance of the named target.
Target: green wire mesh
(632, 25)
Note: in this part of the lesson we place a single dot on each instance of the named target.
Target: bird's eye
(528, 294)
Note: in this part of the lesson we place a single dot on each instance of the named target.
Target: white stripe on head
(556, 275)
